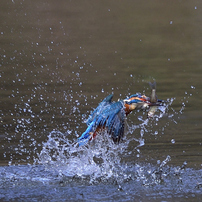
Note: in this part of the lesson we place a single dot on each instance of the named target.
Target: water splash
(101, 159)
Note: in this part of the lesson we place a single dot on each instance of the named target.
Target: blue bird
(110, 116)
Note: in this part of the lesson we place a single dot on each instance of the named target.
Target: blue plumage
(109, 115)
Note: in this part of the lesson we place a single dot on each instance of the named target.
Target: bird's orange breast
(127, 109)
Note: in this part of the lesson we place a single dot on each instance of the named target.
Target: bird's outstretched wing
(108, 115)
(113, 119)
(92, 122)
(99, 109)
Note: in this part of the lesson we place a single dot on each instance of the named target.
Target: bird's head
(136, 101)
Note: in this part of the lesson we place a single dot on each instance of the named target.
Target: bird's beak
(158, 103)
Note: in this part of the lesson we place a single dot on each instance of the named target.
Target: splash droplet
(173, 141)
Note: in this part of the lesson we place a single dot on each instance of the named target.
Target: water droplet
(173, 141)
(142, 132)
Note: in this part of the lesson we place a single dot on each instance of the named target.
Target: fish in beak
(154, 101)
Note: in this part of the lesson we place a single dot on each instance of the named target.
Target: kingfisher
(110, 116)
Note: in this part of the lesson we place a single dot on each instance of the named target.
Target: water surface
(59, 60)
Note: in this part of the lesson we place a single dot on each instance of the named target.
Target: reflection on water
(59, 60)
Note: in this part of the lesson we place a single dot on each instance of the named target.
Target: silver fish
(153, 100)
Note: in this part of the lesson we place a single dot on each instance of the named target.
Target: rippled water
(59, 60)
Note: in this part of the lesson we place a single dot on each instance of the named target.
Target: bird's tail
(152, 85)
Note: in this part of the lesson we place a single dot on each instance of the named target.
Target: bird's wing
(117, 125)
(86, 136)
(99, 109)
(113, 118)
(94, 120)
